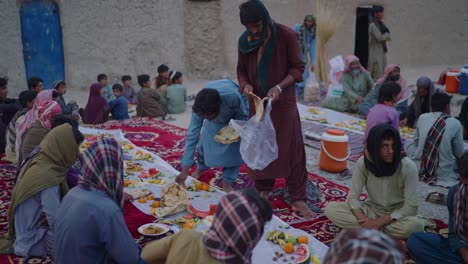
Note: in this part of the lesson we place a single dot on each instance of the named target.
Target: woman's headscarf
(102, 169)
(422, 83)
(350, 59)
(31, 116)
(237, 228)
(247, 45)
(303, 30)
(48, 168)
(363, 246)
(372, 159)
(95, 103)
(405, 86)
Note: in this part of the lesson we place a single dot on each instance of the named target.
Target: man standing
(306, 37)
(378, 37)
(391, 183)
(437, 143)
(215, 105)
(269, 65)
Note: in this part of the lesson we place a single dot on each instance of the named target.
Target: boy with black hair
(437, 143)
(35, 84)
(106, 89)
(119, 106)
(8, 109)
(150, 102)
(60, 88)
(163, 77)
(128, 91)
(26, 99)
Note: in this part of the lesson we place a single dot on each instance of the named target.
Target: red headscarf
(405, 86)
(237, 228)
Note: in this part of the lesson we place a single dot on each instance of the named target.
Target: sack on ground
(258, 146)
(312, 89)
(337, 65)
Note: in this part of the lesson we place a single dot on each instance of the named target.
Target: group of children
(168, 97)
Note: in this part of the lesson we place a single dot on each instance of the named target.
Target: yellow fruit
(150, 197)
(142, 200)
(288, 248)
(302, 240)
(152, 211)
(188, 225)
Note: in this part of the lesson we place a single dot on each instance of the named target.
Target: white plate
(143, 227)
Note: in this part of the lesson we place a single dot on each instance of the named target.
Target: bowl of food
(153, 229)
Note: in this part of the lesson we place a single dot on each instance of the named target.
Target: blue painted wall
(41, 35)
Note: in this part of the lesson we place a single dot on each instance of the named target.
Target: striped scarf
(12, 128)
(430, 155)
(460, 212)
(237, 228)
(102, 169)
(363, 246)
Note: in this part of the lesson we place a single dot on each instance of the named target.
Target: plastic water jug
(463, 88)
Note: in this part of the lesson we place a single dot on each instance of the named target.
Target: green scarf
(302, 33)
(48, 168)
(246, 46)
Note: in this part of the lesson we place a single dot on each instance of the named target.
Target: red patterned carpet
(167, 141)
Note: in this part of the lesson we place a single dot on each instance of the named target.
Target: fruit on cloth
(303, 254)
(155, 204)
(142, 200)
(196, 212)
(302, 240)
(188, 225)
(288, 248)
(150, 197)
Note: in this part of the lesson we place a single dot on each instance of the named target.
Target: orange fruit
(199, 185)
(126, 183)
(205, 187)
(142, 200)
(302, 240)
(139, 152)
(150, 197)
(155, 204)
(288, 248)
(188, 225)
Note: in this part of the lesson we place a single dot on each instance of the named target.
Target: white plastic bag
(258, 146)
(312, 89)
(337, 65)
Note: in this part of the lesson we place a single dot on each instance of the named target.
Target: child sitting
(384, 112)
(162, 80)
(106, 89)
(128, 91)
(176, 94)
(150, 102)
(60, 87)
(119, 106)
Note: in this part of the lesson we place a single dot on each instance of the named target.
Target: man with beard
(392, 74)
(378, 37)
(356, 82)
(391, 183)
(269, 65)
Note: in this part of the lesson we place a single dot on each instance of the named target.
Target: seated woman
(176, 94)
(237, 227)
(90, 227)
(33, 135)
(384, 112)
(422, 100)
(392, 74)
(96, 110)
(37, 194)
(357, 83)
(435, 248)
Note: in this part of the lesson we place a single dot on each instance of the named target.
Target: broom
(329, 16)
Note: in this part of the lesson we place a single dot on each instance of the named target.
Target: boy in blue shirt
(119, 106)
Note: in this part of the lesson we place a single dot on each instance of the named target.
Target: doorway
(41, 35)
(361, 42)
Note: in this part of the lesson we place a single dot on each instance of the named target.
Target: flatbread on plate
(174, 198)
(227, 135)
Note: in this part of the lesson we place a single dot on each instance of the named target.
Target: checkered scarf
(363, 246)
(430, 155)
(460, 212)
(237, 228)
(103, 169)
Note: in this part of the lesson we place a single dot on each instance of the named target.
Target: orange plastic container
(452, 82)
(334, 151)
